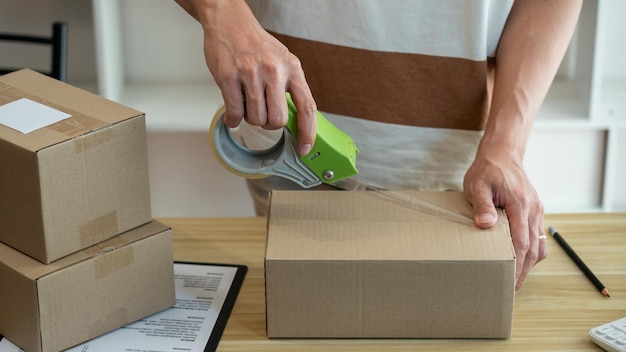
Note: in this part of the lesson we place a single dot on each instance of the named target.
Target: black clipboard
(229, 303)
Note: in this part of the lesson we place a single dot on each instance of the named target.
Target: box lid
(90, 112)
(343, 225)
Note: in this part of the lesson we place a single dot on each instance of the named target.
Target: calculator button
(614, 335)
(621, 341)
(621, 326)
(604, 330)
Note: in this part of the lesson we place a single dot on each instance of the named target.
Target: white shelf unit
(149, 56)
(581, 127)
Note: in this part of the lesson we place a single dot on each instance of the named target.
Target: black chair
(58, 43)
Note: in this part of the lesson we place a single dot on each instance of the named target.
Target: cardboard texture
(77, 182)
(49, 308)
(343, 264)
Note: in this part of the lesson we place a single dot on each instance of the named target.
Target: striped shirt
(409, 80)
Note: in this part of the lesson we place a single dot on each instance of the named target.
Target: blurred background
(147, 54)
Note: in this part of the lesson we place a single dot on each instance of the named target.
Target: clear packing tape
(403, 199)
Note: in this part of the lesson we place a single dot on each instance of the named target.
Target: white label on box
(7, 346)
(25, 115)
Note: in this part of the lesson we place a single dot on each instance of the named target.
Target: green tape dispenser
(332, 158)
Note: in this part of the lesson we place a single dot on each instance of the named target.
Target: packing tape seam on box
(98, 229)
(111, 261)
(80, 123)
(8, 93)
(93, 139)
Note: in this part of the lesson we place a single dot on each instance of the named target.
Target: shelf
(566, 168)
(563, 104)
(609, 81)
(566, 108)
(612, 101)
(615, 190)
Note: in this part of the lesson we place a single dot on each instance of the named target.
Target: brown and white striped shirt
(409, 80)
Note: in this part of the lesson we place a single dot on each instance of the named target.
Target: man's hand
(533, 43)
(246, 61)
(500, 181)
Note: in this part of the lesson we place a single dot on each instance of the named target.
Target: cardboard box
(343, 264)
(76, 182)
(49, 308)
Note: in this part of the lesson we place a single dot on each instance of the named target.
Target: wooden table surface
(554, 310)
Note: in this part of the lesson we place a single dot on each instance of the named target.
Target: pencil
(581, 265)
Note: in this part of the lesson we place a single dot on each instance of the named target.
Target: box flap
(90, 112)
(305, 225)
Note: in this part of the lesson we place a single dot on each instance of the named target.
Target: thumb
(485, 215)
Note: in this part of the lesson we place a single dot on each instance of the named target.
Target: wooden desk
(553, 311)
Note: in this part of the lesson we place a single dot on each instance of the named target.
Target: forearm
(532, 46)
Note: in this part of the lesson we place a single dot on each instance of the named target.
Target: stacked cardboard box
(79, 252)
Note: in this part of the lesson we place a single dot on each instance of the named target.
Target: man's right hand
(245, 60)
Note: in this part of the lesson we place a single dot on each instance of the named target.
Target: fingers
(307, 119)
(234, 109)
(260, 105)
(537, 252)
(243, 89)
(526, 223)
(485, 215)
(480, 195)
(489, 185)
(263, 87)
(254, 92)
(522, 243)
(276, 111)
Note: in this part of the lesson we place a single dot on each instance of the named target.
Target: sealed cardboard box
(345, 264)
(72, 183)
(50, 308)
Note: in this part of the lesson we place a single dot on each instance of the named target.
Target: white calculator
(610, 336)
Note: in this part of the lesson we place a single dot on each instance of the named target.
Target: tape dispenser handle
(281, 159)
